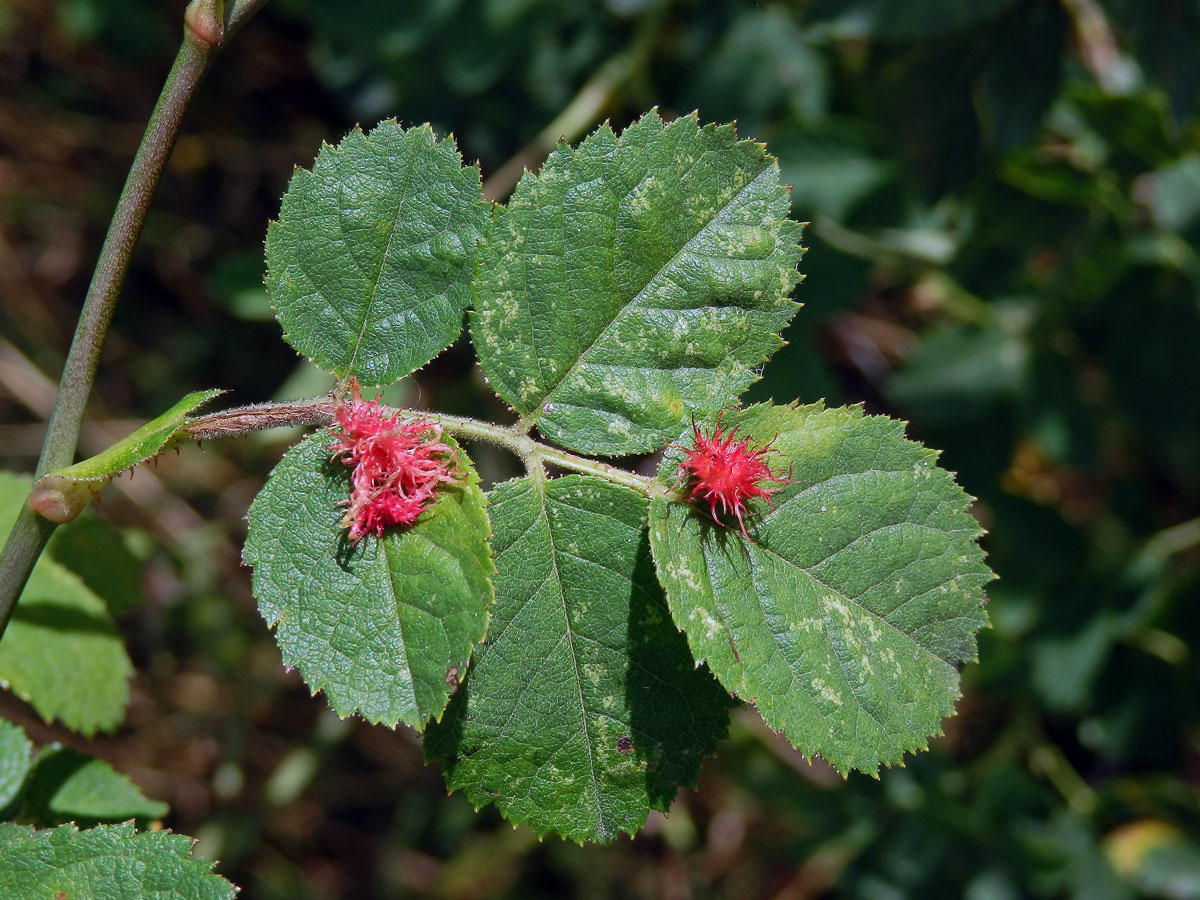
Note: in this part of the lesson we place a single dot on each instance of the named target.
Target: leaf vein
(552, 389)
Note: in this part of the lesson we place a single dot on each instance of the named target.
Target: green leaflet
(845, 616)
(62, 652)
(96, 552)
(67, 785)
(15, 763)
(109, 862)
(584, 709)
(62, 495)
(384, 627)
(62, 784)
(369, 266)
(89, 547)
(63, 655)
(635, 281)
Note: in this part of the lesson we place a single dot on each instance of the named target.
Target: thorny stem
(208, 26)
(233, 422)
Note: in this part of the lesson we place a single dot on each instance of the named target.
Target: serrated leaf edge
(290, 661)
(302, 172)
(850, 412)
(529, 180)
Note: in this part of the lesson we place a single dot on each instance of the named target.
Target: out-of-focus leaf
(1162, 35)
(764, 65)
(1067, 860)
(904, 20)
(369, 266)
(383, 627)
(1023, 72)
(61, 784)
(1156, 857)
(1065, 668)
(584, 710)
(62, 652)
(69, 786)
(90, 548)
(1175, 199)
(238, 283)
(96, 552)
(15, 762)
(829, 174)
(108, 862)
(956, 374)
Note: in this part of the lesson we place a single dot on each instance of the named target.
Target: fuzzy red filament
(398, 466)
(725, 473)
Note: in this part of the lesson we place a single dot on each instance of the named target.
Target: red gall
(398, 466)
(726, 473)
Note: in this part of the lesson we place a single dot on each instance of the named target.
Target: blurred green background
(1005, 208)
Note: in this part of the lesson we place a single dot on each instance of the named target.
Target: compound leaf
(369, 266)
(108, 862)
(383, 627)
(634, 281)
(583, 710)
(845, 615)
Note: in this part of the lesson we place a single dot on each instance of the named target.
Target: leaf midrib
(601, 828)
(853, 601)
(403, 199)
(396, 604)
(535, 409)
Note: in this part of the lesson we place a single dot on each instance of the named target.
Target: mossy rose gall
(398, 466)
(726, 473)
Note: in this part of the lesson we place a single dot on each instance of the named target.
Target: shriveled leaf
(62, 652)
(15, 763)
(634, 281)
(369, 266)
(62, 495)
(583, 710)
(67, 785)
(845, 615)
(108, 862)
(385, 627)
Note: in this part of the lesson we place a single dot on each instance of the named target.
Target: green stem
(320, 411)
(208, 26)
(536, 453)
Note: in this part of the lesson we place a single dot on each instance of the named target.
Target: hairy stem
(533, 452)
(208, 26)
(320, 411)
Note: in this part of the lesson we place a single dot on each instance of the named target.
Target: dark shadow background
(1005, 198)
